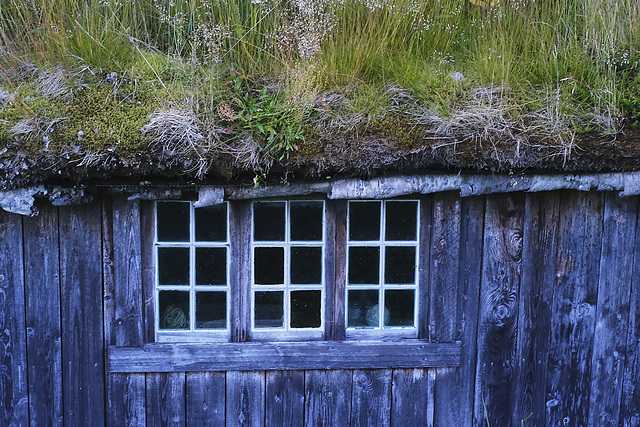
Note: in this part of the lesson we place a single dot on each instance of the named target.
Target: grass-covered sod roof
(260, 89)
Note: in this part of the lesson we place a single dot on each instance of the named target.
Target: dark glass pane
(400, 264)
(173, 221)
(364, 264)
(211, 223)
(173, 266)
(174, 310)
(268, 221)
(211, 266)
(399, 307)
(306, 265)
(364, 220)
(211, 310)
(305, 309)
(363, 309)
(269, 266)
(269, 310)
(306, 220)
(401, 221)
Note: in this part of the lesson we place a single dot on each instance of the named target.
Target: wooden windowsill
(283, 356)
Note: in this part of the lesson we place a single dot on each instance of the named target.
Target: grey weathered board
(165, 399)
(412, 392)
(284, 398)
(327, 398)
(205, 398)
(371, 398)
(245, 398)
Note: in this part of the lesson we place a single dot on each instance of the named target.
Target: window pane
(211, 223)
(364, 265)
(173, 221)
(363, 309)
(269, 266)
(400, 264)
(268, 221)
(364, 220)
(305, 309)
(399, 305)
(306, 265)
(306, 220)
(211, 310)
(269, 310)
(401, 220)
(211, 266)
(173, 266)
(174, 310)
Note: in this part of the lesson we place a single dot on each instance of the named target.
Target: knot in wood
(514, 244)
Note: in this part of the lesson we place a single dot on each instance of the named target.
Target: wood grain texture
(240, 271)
(542, 215)
(245, 398)
(147, 237)
(42, 284)
(330, 270)
(612, 311)
(284, 398)
(574, 305)
(371, 398)
(205, 398)
(337, 328)
(81, 314)
(498, 311)
(413, 393)
(14, 400)
(126, 400)
(327, 398)
(424, 264)
(165, 399)
(223, 356)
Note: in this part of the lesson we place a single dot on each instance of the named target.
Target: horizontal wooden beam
(284, 356)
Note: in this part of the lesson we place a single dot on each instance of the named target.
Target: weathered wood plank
(81, 315)
(542, 215)
(327, 398)
(573, 314)
(498, 311)
(126, 400)
(330, 270)
(284, 398)
(337, 328)
(413, 393)
(285, 355)
(205, 398)
(147, 237)
(245, 398)
(424, 264)
(14, 408)
(371, 398)
(165, 399)
(42, 284)
(612, 311)
(240, 271)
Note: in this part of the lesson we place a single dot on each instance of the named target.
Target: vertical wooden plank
(165, 399)
(205, 398)
(245, 398)
(147, 237)
(330, 269)
(81, 314)
(371, 398)
(424, 257)
(42, 290)
(612, 311)
(14, 409)
(413, 393)
(126, 400)
(285, 398)
(573, 313)
(497, 324)
(327, 397)
(337, 328)
(240, 271)
(542, 215)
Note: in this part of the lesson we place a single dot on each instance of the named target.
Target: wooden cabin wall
(542, 290)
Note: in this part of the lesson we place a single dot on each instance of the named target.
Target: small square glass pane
(364, 265)
(306, 221)
(400, 264)
(363, 310)
(173, 221)
(269, 266)
(399, 307)
(211, 223)
(269, 309)
(306, 265)
(173, 266)
(268, 221)
(364, 220)
(211, 310)
(211, 266)
(401, 223)
(305, 309)
(173, 309)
